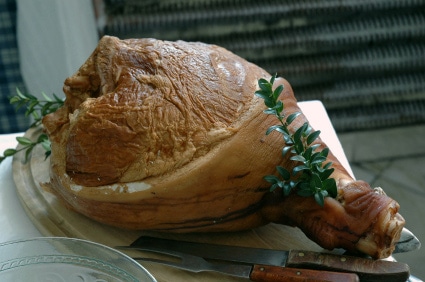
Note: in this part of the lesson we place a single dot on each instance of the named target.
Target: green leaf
(30, 96)
(28, 153)
(273, 187)
(9, 152)
(304, 185)
(299, 168)
(277, 92)
(270, 111)
(307, 153)
(287, 190)
(288, 139)
(47, 107)
(279, 106)
(304, 191)
(262, 81)
(292, 117)
(273, 128)
(23, 141)
(14, 99)
(293, 183)
(330, 186)
(36, 115)
(47, 154)
(317, 156)
(327, 165)
(326, 173)
(57, 99)
(265, 86)
(46, 145)
(299, 146)
(319, 198)
(269, 103)
(325, 152)
(285, 150)
(283, 172)
(315, 181)
(314, 146)
(312, 137)
(281, 183)
(30, 108)
(20, 93)
(298, 133)
(43, 137)
(271, 179)
(46, 97)
(318, 160)
(272, 79)
(307, 131)
(297, 158)
(261, 94)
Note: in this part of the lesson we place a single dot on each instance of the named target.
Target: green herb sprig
(311, 177)
(27, 146)
(37, 109)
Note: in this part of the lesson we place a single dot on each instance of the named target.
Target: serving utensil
(367, 269)
(253, 272)
(408, 242)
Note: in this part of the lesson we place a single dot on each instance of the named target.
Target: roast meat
(169, 136)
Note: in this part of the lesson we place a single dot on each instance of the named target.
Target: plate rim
(73, 240)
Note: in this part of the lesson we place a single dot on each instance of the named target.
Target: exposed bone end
(360, 219)
(381, 240)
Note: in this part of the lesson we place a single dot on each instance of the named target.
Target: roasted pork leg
(169, 136)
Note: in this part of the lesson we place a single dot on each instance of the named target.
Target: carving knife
(367, 269)
(407, 242)
(260, 273)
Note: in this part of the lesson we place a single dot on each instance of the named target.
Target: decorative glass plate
(57, 259)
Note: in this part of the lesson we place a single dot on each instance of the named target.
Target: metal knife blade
(407, 242)
(366, 269)
(253, 272)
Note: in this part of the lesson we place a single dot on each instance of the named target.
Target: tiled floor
(394, 159)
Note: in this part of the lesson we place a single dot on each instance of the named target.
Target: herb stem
(37, 109)
(311, 175)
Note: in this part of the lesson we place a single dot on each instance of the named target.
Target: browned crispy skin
(168, 136)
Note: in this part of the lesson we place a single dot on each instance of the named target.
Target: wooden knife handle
(366, 269)
(265, 273)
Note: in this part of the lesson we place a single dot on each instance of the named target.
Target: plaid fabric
(10, 76)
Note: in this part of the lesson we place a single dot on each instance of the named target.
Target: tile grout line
(378, 175)
(381, 175)
(390, 159)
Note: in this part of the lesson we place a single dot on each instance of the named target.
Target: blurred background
(364, 59)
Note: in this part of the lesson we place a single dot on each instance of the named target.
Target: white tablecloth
(15, 224)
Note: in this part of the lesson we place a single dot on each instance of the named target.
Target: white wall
(55, 37)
